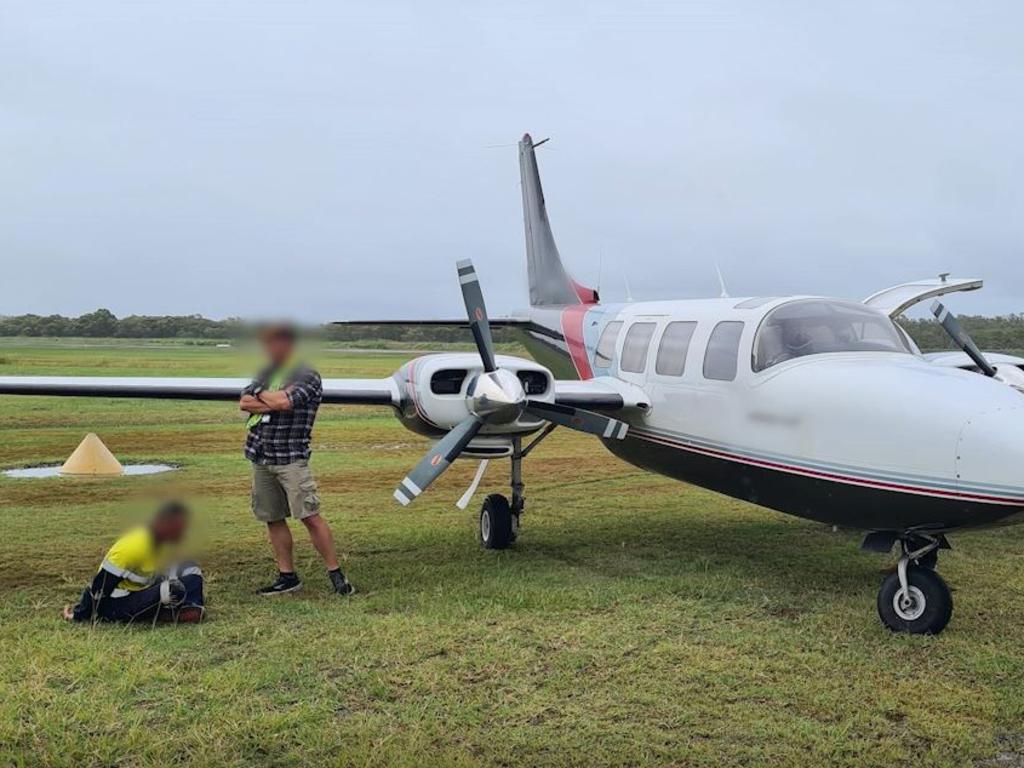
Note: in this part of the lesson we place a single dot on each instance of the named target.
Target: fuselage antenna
(721, 282)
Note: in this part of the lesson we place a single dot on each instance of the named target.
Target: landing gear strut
(499, 516)
(915, 599)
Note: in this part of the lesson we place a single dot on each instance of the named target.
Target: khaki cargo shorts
(283, 490)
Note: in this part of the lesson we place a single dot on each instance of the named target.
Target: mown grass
(637, 621)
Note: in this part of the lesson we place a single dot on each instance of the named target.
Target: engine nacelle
(435, 397)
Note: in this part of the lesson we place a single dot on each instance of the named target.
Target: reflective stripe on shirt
(124, 573)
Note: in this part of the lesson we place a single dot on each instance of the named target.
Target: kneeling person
(133, 582)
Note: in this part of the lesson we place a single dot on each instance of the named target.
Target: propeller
(496, 396)
(433, 465)
(473, 296)
(956, 331)
(578, 419)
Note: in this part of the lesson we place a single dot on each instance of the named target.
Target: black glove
(172, 593)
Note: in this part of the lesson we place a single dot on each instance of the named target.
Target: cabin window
(634, 350)
(723, 350)
(814, 327)
(675, 341)
(606, 346)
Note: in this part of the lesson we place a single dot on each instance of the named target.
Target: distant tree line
(1004, 333)
(104, 324)
(997, 334)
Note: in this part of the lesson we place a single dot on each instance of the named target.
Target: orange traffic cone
(92, 457)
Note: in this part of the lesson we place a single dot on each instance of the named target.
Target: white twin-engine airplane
(821, 408)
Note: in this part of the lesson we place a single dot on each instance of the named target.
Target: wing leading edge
(343, 391)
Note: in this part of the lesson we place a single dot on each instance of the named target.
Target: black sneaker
(286, 582)
(340, 584)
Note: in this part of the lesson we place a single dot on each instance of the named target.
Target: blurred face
(171, 529)
(279, 347)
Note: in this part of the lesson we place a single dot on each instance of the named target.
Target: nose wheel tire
(497, 523)
(923, 608)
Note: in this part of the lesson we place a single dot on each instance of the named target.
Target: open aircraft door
(898, 299)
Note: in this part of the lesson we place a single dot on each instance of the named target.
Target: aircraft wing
(958, 359)
(351, 391)
(601, 393)
(898, 299)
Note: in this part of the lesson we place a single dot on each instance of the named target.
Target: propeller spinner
(496, 396)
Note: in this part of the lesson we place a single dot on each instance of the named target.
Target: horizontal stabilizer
(496, 322)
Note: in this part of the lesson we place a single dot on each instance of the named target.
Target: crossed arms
(266, 402)
(305, 388)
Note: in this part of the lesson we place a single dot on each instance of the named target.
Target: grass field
(637, 622)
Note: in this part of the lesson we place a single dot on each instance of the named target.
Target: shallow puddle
(54, 471)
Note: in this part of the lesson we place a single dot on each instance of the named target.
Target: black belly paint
(826, 501)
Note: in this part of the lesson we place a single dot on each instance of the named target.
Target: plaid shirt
(285, 437)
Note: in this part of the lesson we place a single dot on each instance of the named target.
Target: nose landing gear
(915, 599)
(497, 523)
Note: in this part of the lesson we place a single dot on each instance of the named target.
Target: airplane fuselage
(871, 436)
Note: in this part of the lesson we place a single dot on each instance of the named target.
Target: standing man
(282, 402)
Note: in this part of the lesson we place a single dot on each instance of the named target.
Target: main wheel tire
(497, 523)
(927, 608)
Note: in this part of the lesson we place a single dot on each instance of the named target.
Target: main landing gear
(499, 515)
(914, 599)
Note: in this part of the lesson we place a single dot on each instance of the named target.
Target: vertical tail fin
(550, 284)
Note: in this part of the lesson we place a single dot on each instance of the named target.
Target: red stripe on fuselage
(572, 330)
(584, 294)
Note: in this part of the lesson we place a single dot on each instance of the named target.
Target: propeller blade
(440, 457)
(579, 419)
(956, 331)
(473, 296)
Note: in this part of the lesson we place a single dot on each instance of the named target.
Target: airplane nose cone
(497, 396)
(990, 453)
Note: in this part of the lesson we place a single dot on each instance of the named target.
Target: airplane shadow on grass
(770, 555)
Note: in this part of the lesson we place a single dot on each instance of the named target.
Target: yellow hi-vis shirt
(134, 558)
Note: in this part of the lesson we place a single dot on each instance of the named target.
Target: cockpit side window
(606, 345)
(721, 356)
(814, 327)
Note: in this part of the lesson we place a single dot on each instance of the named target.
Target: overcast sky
(334, 159)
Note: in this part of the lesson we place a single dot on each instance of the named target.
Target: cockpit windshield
(813, 327)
